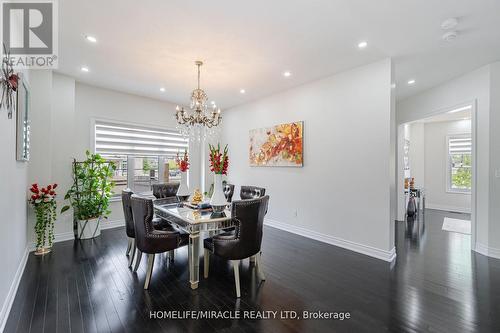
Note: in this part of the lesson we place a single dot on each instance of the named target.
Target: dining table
(195, 222)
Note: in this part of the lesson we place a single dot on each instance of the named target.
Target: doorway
(436, 169)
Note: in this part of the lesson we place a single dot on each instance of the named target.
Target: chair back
(229, 191)
(250, 214)
(165, 190)
(251, 192)
(127, 212)
(142, 210)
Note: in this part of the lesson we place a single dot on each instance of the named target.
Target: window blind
(459, 145)
(124, 139)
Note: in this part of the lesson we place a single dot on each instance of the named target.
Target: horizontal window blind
(123, 139)
(459, 145)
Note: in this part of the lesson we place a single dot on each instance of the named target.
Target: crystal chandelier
(201, 123)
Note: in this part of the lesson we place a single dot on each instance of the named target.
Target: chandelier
(201, 122)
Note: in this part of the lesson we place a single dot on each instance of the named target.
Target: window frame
(94, 120)
(449, 181)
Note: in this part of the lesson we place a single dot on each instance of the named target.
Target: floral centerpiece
(43, 201)
(183, 165)
(219, 162)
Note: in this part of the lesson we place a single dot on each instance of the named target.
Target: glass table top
(192, 216)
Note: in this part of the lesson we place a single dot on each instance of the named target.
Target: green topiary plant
(91, 190)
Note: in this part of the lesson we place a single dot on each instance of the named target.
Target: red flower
(49, 187)
(52, 193)
(33, 197)
(34, 190)
(54, 186)
(34, 185)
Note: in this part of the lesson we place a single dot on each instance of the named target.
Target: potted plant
(90, 194)
(183, 165)
(219, 162)
(43, 201)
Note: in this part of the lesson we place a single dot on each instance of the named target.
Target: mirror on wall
(23, 121)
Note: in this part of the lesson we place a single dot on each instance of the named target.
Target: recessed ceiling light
(411, 82)
(393, 86)
(287, 74)
(162, 89)
(91, 39)
(213, 102)
(242, 91)
(362, 44)
(468, 107)
(84, 69)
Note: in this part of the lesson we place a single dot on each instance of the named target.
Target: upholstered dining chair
(244, 242)
(150, 240)
(251, 192)
(165, 190)
(129, 224)
(229, 191)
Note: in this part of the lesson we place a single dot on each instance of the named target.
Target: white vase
(218, 200)
(183, 190)
(88, 229)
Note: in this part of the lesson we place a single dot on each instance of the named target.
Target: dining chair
(251, 192)
(244, 242)
(129, 224)
(165, 190)
(149, 240)
(229, 191)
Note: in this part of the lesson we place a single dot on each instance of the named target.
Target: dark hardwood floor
(436, 285)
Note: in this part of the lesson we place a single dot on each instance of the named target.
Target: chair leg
(236, 268)
(206, 263)
(132, 255)
(137, 260)
(260, 269)
(171, 255)
(129, 246)
(149, 270)
(252, 259)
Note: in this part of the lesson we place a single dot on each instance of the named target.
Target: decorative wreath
(8, 83)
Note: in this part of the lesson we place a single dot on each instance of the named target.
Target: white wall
(417, 154)
(343, 190)
(494, 152)
(437, 194)
(69, 108)
(474, 86)
(13, 205)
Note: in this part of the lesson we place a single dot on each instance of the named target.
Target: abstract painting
(280, 145)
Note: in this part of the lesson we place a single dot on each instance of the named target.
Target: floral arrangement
(219, 161)
(43, 201)
(183, 163)
(8, 82)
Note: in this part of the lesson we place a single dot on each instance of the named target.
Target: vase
(88, 229)
(183, 190)
(218, 200)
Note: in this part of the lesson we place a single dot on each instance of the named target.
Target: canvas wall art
(280, 145)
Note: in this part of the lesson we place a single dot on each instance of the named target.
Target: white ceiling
(145, 45)
(461, 115)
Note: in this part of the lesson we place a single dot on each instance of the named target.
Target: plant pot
(88, 229)
(218, 200)
(43, 251)
(183, 190)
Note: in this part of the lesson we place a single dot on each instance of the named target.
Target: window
(459, 163)
(143, 156)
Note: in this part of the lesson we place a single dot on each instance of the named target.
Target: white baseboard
(487, 251)
(69, 235)
(11, 295)
(349, 245)
(448, 208)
